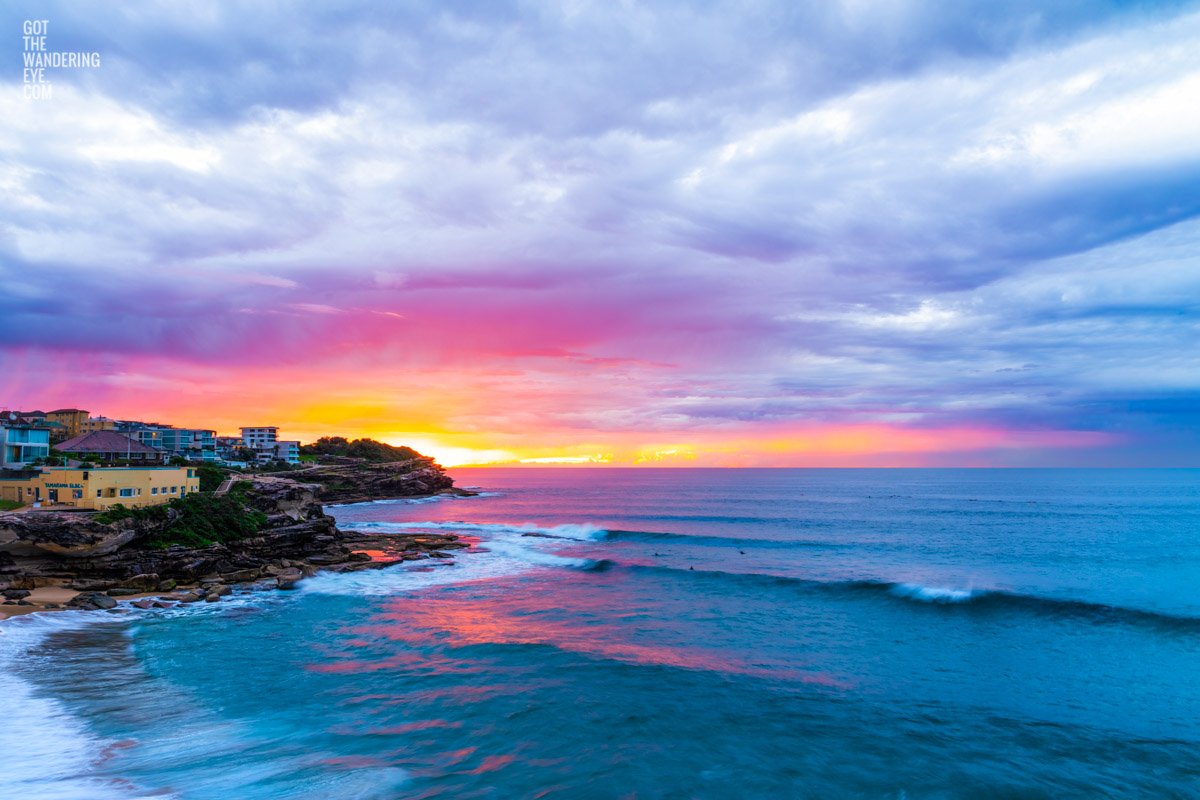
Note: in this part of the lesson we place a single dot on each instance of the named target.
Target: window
(190, 475)
(98, 492)
(173, 490)
(127, 493)
(139, 492)
(77, 494)
(85, 476)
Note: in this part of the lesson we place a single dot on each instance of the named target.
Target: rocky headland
(356, 480)
(268, 530)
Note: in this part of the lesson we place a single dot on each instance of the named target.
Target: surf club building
(98, 488)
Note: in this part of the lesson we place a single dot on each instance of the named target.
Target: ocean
(663, 633)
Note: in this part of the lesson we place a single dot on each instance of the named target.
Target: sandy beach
(55, 598)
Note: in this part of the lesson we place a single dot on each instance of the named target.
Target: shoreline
(275, 560)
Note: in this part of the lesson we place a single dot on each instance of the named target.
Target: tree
(366, 449)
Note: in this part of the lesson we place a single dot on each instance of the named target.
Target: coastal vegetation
(210, 477)
(366, 449)
(198, 519)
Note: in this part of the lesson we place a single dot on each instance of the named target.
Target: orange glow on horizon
(478, 419)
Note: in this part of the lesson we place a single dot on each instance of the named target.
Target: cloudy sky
(746, 233)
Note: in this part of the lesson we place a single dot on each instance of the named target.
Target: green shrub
(200, 519)
(211, 477)
(367, 449)
(119, 511)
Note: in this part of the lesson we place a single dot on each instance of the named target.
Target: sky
(674, 234)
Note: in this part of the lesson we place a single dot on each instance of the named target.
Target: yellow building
(99, 488)
(96, 424)
(73, 419)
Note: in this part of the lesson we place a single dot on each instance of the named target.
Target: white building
(258, 437)
(267, 446)
(280, 451)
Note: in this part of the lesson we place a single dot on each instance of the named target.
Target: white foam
(506, 552)
(413, 501)
(934, 594)
(578, 531)
(47, 752)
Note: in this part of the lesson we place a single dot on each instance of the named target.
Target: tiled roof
(104, 442)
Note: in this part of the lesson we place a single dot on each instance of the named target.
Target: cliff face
(354, 481)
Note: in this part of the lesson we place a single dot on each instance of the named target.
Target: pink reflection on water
(590, 619)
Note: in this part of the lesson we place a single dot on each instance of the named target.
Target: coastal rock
(220, 591)
(297, 540)
(325, 560)
(68, 534)
(16, 594)
(92, 584)
(212, 598)
(91, 601)
(146, 582)
(242, 575)
(356, 480)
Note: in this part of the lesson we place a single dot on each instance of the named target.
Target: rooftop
(105, 442)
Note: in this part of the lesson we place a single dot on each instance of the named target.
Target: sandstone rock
(166, 586)
(24, 603)
(212, 598)
(52, 605)
(359, 557)
(16, 594)
(91, 601)
(92, 584)
(220, 591)
(120, 592)
(241, 575)
(71, 535)
(191, 597)
(145, 582)
(353, 481)
(144, 604)
(324, 560)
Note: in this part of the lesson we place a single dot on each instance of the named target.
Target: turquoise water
(670, 634)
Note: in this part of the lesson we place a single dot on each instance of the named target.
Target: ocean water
(665, 634)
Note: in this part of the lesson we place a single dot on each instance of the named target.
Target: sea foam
(505, 551)
(578, 531)
(935, 594)
(49, 753)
